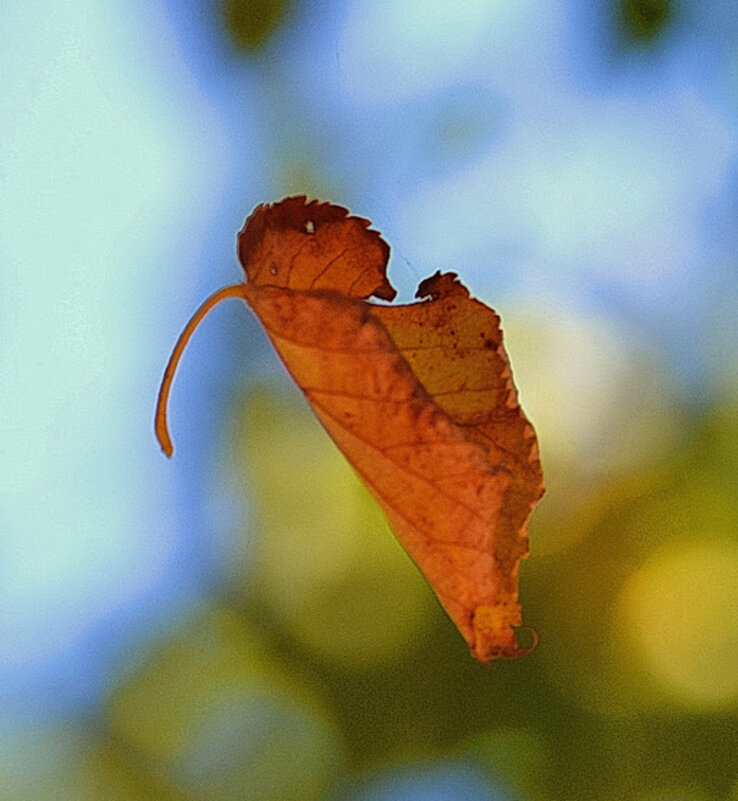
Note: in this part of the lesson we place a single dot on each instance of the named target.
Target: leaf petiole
(160, 418)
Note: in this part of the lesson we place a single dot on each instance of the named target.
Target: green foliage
(645, 20)
(252, 23)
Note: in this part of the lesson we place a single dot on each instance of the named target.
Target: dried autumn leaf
(419, 398)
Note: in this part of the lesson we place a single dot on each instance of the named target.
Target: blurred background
(239, 623)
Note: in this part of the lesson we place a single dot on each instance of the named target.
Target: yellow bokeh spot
(679, 611)
(599, 402)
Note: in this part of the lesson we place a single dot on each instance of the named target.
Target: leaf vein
(327, 266)
(424, 479)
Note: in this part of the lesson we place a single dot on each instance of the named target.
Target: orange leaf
(419, 398)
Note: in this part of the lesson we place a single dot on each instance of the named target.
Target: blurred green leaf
(252, 23)
(645, 20)
(211, 716)
(327, 564)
